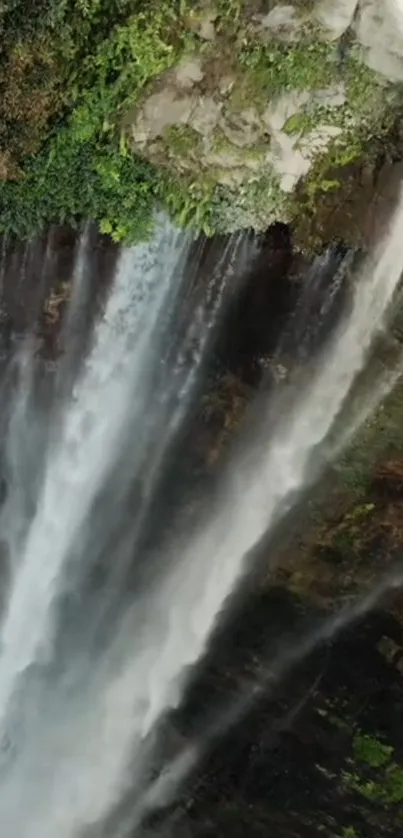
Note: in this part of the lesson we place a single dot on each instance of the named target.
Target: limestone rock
(291, 156)
(203, 23)
(162, 109)
(205, 115)
(379, 30)
(242, 129)
(288, 161)
(224, 116)
(237, 146)
(335, 16)
(189, 72)
(207, 27)
(319, 139)
(231, 177)
(228, 158)
(283, 108)
(226, 84)
(331, 97)
(281, 22)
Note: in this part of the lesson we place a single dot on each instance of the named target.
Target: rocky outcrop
(335, 18)
(195, 130)
(263, 100)
(36, 283)
(379, 30)
(358, 210)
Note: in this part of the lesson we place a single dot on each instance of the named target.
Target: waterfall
(258, 486)
(87, 675)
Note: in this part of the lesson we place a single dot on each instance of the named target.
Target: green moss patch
(376, 776)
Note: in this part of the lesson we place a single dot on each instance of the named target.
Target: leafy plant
(72, 70)
(77, 162)
(376, 776)
(371, 751)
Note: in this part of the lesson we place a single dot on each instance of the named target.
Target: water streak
(86, 723)
(162, 791)
(258, 489)
(80, 459)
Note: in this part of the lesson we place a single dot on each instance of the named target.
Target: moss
(253, 204)
(361, 512)
(278, 67)
(275, 68)
(229, 16)
(387, 792)
(376, 776)
(371, 751)
(299, 123)
(181, 140)
(343, 543)
(393, 785)
(379, 437)
(367, 121)
(221, 144)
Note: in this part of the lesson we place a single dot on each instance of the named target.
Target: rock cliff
(268, 97)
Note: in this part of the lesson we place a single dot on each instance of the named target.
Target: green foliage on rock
(348, 832)
(78, 163)
(376, 776)
(371, 751)
(279, 67)
(72, 73)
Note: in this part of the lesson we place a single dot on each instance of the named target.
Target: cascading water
(148, 395)
(80, 701)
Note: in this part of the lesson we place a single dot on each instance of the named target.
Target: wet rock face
(286, 309)
(255, 320)
(36, 281)
(311, 756)
(358, 213)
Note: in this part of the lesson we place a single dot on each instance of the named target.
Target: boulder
(379, 30)
(335, 16)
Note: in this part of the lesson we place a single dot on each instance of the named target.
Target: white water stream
(77, 730)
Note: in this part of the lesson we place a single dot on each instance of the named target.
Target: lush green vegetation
(371, 751)
(281, 66)
(70, 70)
(348, 832)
